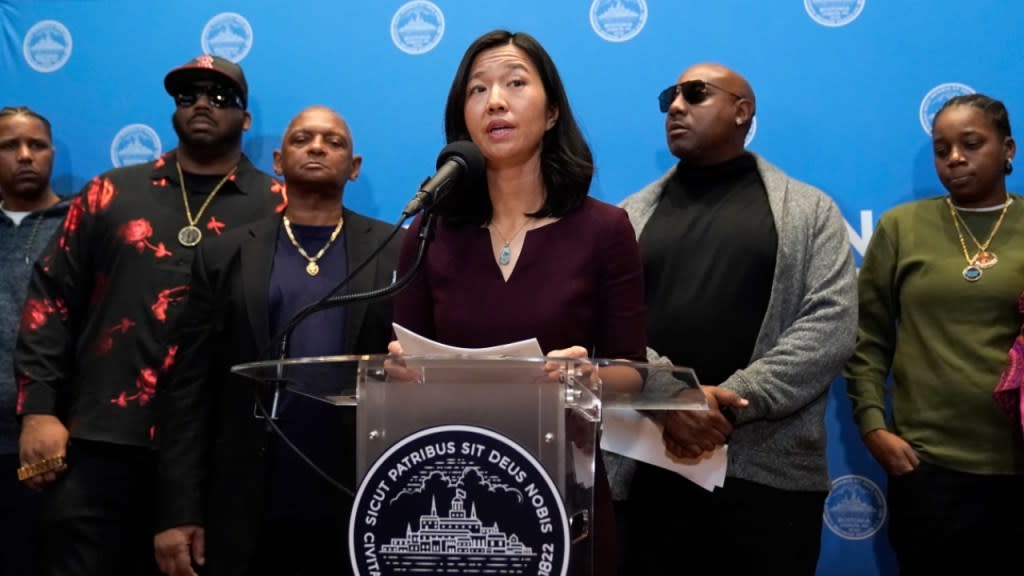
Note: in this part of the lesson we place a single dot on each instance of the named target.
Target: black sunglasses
(218, 96)
(693, 91)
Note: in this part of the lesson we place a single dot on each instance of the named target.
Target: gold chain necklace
(190, 235)
(506, 250)
(312, 268)
(983, 259)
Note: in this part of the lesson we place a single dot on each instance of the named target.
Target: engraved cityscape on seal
(618, 20)
(458, 500)
(227, 35)
(417, 27)
(134, 144)
(935, 98)
(47, 46)
(855, 508)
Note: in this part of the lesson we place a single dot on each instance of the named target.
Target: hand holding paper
(628, 432)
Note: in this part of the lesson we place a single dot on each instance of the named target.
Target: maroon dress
(578, 281)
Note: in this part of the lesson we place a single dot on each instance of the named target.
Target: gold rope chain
(958, 221)
(312, 268)
(184, 195)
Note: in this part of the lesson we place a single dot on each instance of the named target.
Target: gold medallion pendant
(189, 236)
(312, 267)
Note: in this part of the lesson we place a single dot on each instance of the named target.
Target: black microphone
(460, 159)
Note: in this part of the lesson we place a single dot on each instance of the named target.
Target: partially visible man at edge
(30, 212)
(96, 331)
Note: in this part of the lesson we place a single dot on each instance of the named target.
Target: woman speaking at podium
(524, 252)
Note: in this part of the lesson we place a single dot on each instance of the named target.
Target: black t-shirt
(98, 333)
(317, 428)
(709, 258)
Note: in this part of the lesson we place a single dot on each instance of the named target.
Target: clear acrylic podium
(476, 465)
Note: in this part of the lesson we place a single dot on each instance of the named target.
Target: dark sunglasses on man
(218, 96)
(693, 92)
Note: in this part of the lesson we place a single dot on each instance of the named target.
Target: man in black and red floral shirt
(96, 330)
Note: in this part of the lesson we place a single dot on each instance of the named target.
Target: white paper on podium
(415, 345)
(629, 433)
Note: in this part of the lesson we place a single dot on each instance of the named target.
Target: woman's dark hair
(567, 165)
(26, 111)
(994, 109)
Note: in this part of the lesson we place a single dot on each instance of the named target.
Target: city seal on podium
(458, 499)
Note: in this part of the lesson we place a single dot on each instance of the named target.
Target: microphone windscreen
(470, 155)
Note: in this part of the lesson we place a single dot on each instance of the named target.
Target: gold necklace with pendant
(312, 268)
(984, 258)
(190, 235)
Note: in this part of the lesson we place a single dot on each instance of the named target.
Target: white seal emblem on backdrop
(618, 20)
(855, 507)
(935, 98)
(227, 35)
(751, 133)
(834, 13)
(47, 46)
(452, 500)
(134, 144)
(417, 27)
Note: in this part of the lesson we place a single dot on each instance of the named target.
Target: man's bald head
(317, 149)
(708, 122)
(722, 76)
(317, 111)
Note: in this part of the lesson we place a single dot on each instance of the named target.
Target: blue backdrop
(845, 92)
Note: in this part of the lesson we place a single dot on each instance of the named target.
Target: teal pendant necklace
(505, 255)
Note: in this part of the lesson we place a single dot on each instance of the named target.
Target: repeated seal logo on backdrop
(47, 46)
(618, 20)
(227, 35)
(935, 98)
(134, 144)
(458, 500)
(834, 13)
(417, 27)
(855, 507)
(751, 133)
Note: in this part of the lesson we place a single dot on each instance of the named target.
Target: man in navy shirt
(233, 497)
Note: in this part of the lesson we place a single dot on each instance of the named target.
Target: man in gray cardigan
(750, 281)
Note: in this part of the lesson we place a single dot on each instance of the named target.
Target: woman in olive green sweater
(938, 292)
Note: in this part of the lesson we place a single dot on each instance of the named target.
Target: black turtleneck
(709, 258)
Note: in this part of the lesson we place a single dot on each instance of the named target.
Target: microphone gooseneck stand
(332, 300)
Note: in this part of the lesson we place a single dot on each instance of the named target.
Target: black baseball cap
(207, 67)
